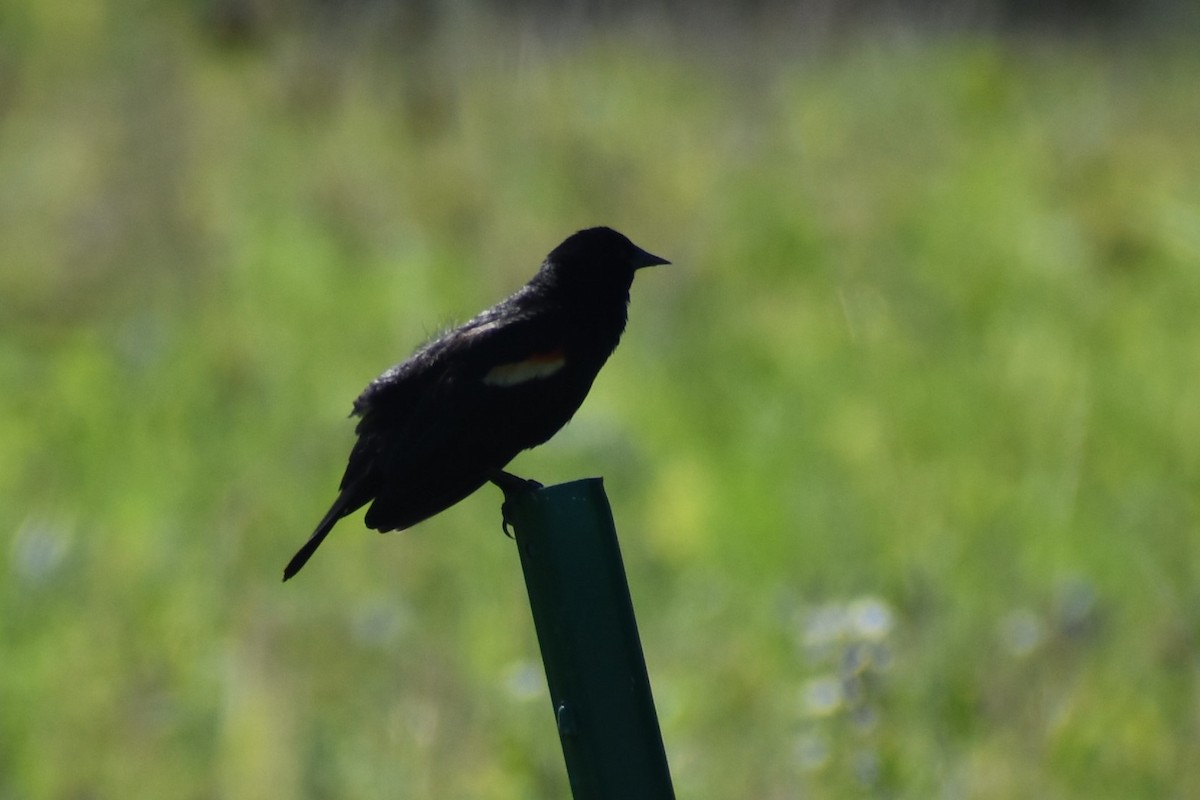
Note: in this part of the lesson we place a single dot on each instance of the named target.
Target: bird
(436, 427)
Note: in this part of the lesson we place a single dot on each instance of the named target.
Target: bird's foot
(512, 486)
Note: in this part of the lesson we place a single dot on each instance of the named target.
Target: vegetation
(904, 449)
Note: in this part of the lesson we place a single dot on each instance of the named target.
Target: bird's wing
(411, 411)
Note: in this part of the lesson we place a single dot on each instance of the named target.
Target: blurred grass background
(904, 449)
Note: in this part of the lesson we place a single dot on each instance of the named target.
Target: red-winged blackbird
(441, 424)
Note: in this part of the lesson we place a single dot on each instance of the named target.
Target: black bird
(438, 426)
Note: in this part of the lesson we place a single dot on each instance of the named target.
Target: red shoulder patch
(537, 366)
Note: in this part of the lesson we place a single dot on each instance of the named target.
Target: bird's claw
(512, 486)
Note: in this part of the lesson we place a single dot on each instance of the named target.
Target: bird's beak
(643, 259)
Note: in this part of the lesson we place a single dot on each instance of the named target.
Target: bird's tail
(305, 553)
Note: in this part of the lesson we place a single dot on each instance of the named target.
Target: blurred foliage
(904, 449)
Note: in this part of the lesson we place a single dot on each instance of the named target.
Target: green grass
(904, 449)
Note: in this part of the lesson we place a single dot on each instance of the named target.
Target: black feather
(433, 428)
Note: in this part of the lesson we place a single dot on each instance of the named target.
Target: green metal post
(588, 636)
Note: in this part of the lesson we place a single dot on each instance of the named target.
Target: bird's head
(599, 257)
